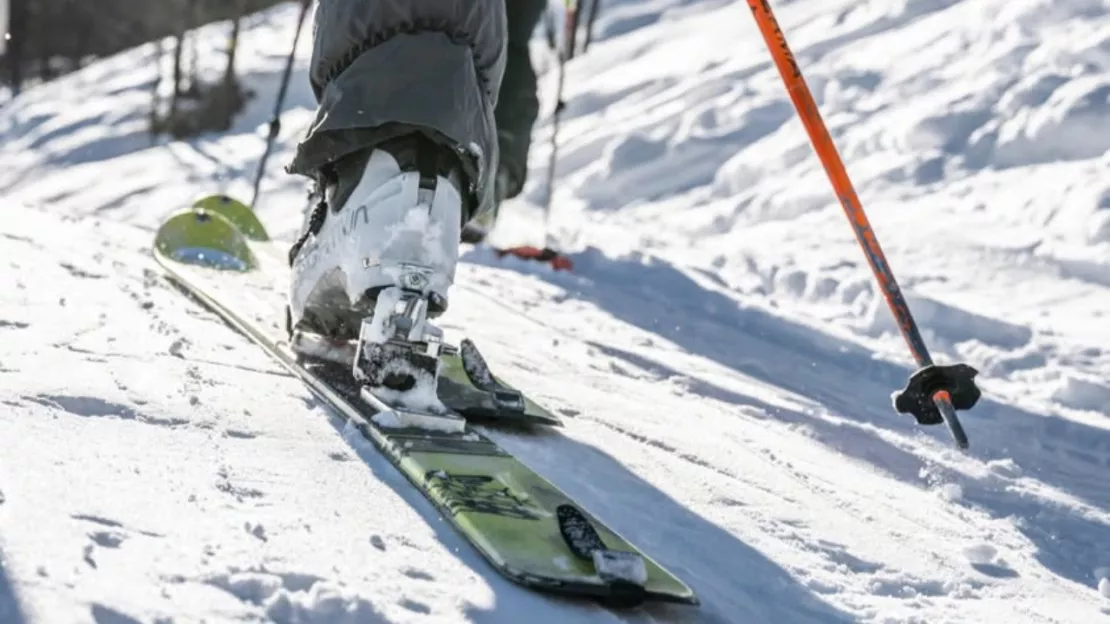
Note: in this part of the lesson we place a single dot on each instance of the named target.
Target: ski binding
(397, 361)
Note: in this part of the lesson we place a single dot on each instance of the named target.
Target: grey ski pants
(457, 70)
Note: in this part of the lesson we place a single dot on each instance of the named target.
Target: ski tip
(203, 238)
(236, 212)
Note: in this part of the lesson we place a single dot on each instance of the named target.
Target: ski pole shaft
(595, 6)
(275, 121)
(826, 150)
(564, 54)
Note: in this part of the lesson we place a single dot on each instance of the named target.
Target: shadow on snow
(705, 549)
(10, 611)
(854, 389)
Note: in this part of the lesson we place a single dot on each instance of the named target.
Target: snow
(721, 356)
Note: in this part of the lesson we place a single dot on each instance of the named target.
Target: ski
(218, 253)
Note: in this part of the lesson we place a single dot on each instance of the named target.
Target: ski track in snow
(721, 357)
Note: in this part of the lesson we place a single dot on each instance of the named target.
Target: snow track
(721, 358)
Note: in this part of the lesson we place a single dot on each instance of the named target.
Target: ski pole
(933, 393)
(570, 28)
(275, 121)
(595, 6)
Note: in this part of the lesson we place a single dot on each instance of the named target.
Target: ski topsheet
(524, 526)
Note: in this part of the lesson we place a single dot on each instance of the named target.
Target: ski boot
(372, 268)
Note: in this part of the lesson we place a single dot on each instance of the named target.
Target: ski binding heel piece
(507, 399)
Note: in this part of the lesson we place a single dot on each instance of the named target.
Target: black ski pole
(595, 7)
(570, 27)
(275, 121)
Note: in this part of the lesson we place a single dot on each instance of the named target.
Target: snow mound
(1084, 394)
(294, 598)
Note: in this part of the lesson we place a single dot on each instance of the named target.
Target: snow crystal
(1082, 393)
(256, 530)
(433, 422)
(951, 492)
(980, 553)
(1098, 227)
(323, 602)
(387, 420)
(254, 587)
(949, 323)
(1004, 467)
(176, 347)
(422, 396)
(402, 418)
(1103, 576)
(353, 436)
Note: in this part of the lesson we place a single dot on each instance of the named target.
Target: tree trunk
(232, 46)
(178, 44)
(156, 85)
(16, 51)
(194, 21)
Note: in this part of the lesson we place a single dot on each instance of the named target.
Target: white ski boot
(374, 264)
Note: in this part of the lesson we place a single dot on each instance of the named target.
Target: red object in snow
(558, 261)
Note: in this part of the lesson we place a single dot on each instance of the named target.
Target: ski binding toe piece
(397, 361)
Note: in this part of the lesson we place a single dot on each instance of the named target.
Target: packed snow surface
(721, 355)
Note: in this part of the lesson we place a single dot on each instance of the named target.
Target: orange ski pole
(933, 393)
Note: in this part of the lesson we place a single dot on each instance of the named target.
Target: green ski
(527, 529)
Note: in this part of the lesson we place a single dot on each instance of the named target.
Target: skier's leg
(517, 108)
(518, 104)
(405, 145)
